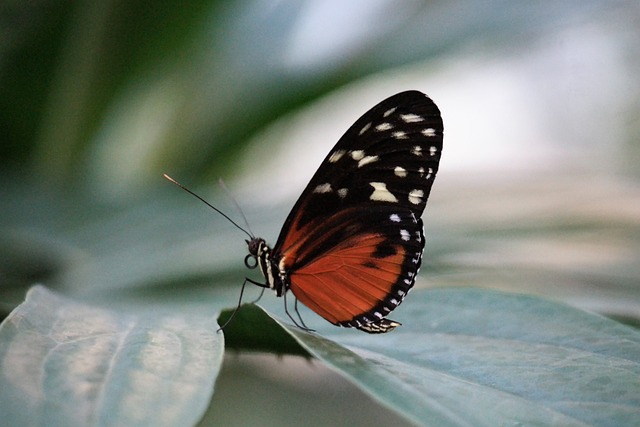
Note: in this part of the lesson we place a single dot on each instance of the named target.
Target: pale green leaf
(64, 363)
(480, 358)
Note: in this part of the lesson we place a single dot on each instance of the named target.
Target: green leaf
(64, 363)
(251, 329)
(473, 357)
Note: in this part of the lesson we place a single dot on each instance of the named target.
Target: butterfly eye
(250, 261)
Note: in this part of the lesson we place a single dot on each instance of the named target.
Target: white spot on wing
(415, 196)
(416, 150)
(429, 132)
(323, 188)
(400, 171)
(411, 118)
(342, 192)
(357, 155)
(433, 150)
(336, 156)
(399, 135)
(384, 126)
(404, 235)
(367, 159)
(381, 194)
(389, 112)
(365, 128)
(394, 217)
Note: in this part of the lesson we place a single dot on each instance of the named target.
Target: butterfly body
(352, 245)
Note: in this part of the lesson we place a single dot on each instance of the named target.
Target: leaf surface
(64, 363)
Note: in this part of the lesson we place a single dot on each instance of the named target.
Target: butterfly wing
(360, 267)
(352, 244)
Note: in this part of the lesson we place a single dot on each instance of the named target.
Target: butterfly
(352, 245)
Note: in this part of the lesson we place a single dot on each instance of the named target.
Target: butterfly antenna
(209, 204)
(235, 203)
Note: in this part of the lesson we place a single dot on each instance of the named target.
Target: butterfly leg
(300, 325)
(246, 279)
(259, 296)
(264, 286)
(295, 308)
(253, 282)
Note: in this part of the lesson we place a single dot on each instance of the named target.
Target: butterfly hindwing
(352, 244)
(361, 265)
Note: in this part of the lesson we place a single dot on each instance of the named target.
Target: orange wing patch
(350, 280)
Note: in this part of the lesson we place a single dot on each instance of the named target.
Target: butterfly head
(260, 253)
(254, 244)
(257, 246)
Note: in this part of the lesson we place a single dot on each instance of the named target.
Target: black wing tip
(412, 98)
(379, 327)
(413, 94)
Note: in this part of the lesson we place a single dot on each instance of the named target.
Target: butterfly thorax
(276, 279)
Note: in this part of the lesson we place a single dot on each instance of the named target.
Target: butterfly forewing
(389, 155)
(352, 244)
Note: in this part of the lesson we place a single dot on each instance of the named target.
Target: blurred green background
(538, 190)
